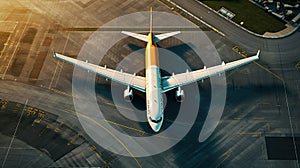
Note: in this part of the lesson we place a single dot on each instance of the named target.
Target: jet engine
(128, 94)
(179, 95)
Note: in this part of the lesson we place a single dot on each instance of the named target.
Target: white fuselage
(154, 100)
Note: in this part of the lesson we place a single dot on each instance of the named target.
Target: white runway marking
(13, 137)
(16, 46)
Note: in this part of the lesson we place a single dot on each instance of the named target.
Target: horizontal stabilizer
(136, 35)
(165, 35)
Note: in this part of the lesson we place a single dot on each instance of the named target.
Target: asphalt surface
(279, 55)
(262, 99)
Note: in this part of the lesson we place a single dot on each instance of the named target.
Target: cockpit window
(156, 121)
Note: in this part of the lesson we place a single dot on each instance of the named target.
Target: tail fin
(151, 20)
(157, 38)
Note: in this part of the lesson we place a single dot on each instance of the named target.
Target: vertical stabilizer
(154, 37)
(151, 20)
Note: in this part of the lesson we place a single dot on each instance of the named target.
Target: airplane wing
(171, 82)
(136, 35)
(136, 82)
(165, 35)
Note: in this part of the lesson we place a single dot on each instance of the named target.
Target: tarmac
(40, 126)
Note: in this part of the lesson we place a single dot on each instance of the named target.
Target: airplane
(153, 84)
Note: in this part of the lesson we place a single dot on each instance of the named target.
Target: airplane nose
(155, 127)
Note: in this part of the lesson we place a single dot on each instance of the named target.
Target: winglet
(54, 53)
(257, 54)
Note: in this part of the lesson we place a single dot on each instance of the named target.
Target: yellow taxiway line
(128, 127)
(227, 155)
(116, 138)
(250, 133)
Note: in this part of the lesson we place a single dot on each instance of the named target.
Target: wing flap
(136, 82)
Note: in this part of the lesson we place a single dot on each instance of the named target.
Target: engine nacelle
(128, 95)
(179, 95)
